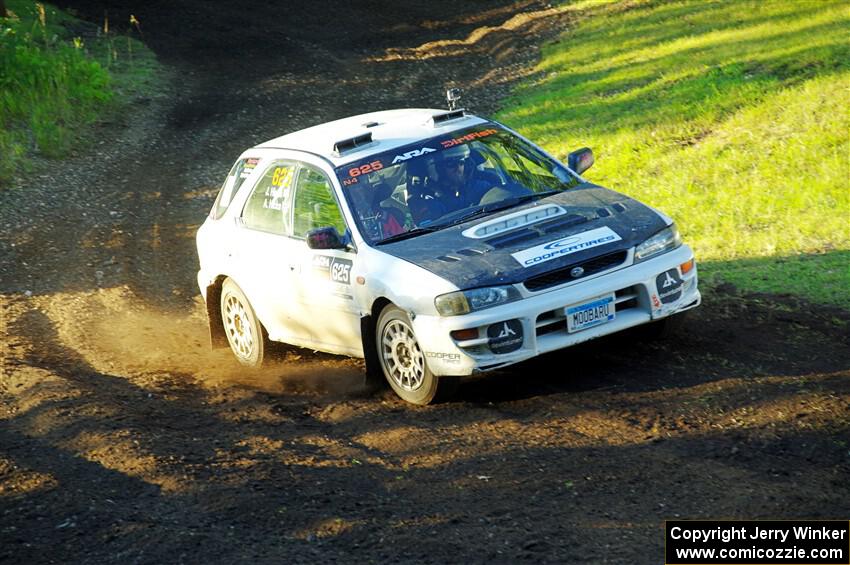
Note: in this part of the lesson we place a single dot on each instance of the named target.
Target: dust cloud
(114, 332)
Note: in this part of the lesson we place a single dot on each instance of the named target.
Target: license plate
(590, 314)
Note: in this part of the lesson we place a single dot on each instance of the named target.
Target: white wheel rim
(403, 361)
(238, 327)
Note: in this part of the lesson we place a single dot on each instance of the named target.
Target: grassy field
(732, 117)
(58, 75)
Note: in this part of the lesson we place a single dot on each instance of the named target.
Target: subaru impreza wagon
(434, 243)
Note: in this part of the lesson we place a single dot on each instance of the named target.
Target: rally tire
(245, 334)
(403, 361)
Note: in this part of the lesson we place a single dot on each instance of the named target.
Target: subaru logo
(577, 272)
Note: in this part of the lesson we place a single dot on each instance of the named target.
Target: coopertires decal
(566, 246)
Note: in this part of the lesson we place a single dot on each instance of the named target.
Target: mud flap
(374, 379)
(218, 339)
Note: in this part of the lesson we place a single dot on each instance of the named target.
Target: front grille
(555, 321)
(562, 275)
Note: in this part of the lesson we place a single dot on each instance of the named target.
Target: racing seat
(490, 186)
(477, 171)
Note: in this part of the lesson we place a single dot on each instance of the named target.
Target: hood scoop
(514, 221)
(513, 238)
(562, 222)
(516, 237)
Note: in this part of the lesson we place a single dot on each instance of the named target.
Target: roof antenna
(453, 97)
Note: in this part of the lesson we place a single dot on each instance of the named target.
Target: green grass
(732, 117)
(58, 75)
(787, 275)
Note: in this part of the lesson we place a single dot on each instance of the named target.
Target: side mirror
(580, 160)
(324, 238)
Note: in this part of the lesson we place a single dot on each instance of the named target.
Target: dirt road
(123, 438)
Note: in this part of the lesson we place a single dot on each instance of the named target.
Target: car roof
(389, 129)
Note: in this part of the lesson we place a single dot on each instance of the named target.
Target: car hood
(519, 244)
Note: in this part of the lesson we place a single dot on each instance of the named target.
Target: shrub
(49, 87)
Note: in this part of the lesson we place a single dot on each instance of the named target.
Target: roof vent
(350, 144)
(448, 116)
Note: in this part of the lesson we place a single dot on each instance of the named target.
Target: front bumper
(542, 316)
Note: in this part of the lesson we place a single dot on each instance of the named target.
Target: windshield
(447, 180)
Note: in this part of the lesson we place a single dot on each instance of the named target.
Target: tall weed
(49, 87)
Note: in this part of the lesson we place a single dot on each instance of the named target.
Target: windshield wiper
(407, 234)
(517, 200)
(468, 216)
(508, 203)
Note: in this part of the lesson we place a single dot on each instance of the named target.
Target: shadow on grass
(820, 278)
(634, 100)
(706, 75)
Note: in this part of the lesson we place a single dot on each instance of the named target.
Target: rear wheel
(403, 361)
(245, 334)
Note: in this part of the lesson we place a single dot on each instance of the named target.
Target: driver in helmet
(453, 188)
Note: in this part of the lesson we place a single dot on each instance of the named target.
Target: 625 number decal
(364, 169)
(282, 176)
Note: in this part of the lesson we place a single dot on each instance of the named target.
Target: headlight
(666, 239)
(465, 301)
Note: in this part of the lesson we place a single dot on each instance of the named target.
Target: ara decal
(413, 153)
(333, 268)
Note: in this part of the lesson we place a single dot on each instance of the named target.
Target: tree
(2, 8)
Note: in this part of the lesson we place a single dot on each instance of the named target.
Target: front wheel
(403, 361)
(245, 334)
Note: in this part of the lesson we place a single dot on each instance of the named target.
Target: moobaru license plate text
(589, 314)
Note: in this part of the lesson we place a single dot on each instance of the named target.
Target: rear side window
(241, 170)
(267, 208)
(315, 205)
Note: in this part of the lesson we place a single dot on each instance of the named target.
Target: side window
(240, 171)
(315, 205)
(267, 208)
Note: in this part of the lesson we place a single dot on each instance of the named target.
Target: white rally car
(435, 244)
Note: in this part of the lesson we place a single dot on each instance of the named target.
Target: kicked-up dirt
(124, 438)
